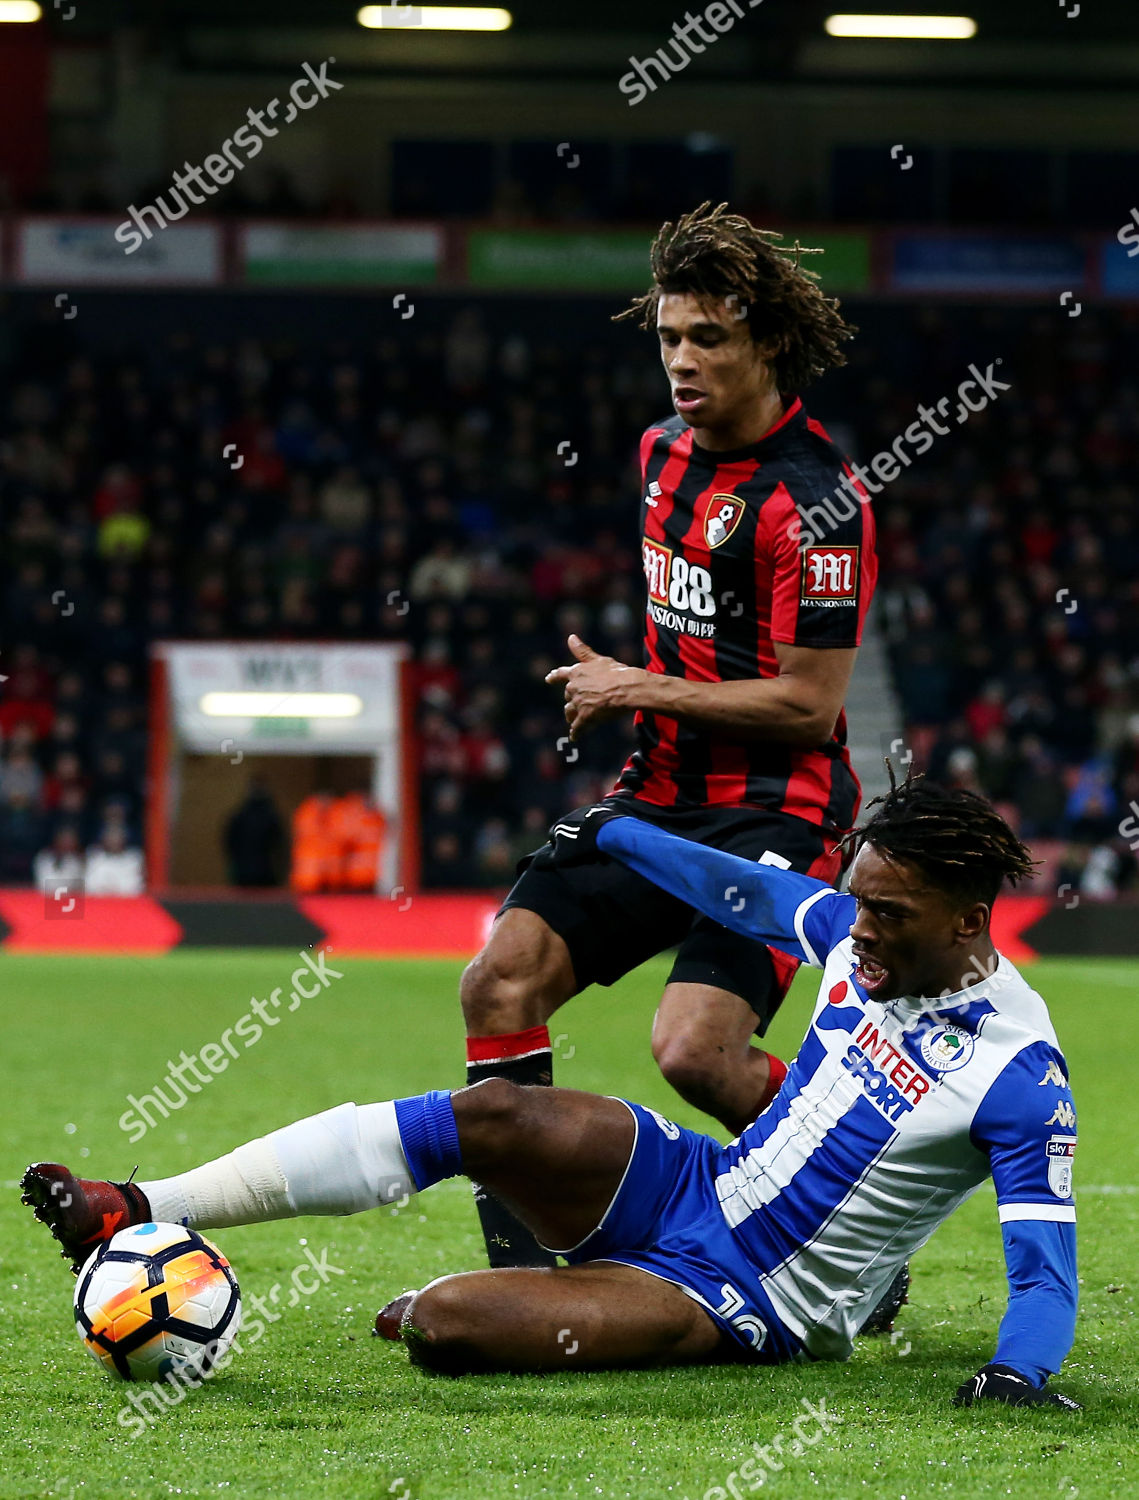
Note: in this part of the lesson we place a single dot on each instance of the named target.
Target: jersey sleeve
(1027, 1125)
(820, 548)
(794, 913)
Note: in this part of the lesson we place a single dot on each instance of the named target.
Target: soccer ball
(157, 1302)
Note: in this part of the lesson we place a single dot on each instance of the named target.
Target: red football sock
(524, 1057)
(776, 1073)
(530, 1048)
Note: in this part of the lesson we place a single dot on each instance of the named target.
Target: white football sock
(340, 1162)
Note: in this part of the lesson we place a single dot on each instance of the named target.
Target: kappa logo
(830, 576)
(947, 1048)
(722, 514)
(1061, 1152)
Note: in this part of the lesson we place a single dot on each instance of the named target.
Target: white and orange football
(156, 1302)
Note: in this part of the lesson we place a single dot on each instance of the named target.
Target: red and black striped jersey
(743, 549)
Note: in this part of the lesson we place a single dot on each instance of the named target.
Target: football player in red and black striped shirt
(759, 560)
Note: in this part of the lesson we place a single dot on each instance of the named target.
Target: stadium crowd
(473, 490)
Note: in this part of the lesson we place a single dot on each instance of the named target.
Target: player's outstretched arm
(801, 916)
(1026, 1124)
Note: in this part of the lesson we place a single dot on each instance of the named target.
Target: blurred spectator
(21, 838)
(410, 488)
(442, 574)
(1102, 870)
(255, 839)
(494, 859)
(114, 868)
(315, 858)
(1090, 810)
(20, 778)
(445, 865)
(357, 828)
(338, 843)
(61, 863)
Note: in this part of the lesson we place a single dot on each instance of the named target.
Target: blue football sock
(429, 1137)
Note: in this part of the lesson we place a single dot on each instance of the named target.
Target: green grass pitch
(318, 1408)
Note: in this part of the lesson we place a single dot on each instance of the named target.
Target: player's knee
(489, 996)
(490, 1113)
(695, 1072)
(439, 1329)
(508, 985)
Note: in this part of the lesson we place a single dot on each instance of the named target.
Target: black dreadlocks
(952, 836)
(713, 254)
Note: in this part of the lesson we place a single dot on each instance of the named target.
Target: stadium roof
(998, 20)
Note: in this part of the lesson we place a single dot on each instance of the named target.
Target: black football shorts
(612, 919)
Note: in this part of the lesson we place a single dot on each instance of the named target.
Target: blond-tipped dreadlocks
(711, 253)
(951, 835)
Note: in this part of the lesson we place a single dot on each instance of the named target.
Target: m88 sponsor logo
(678, 591)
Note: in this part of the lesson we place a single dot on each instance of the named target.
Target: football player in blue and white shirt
(929, 1065)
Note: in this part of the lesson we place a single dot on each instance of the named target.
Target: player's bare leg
(591, 1316)
(519, 978)
(509, 992)
(556, 1158)
(702, 1044)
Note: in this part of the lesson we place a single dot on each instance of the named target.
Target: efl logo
(1061, 1150)
(830, 576)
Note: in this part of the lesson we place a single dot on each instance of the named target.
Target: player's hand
(596, 687)
(574, 837)
(1000, 1383)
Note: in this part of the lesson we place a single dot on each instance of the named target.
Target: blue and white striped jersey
(891, 1115)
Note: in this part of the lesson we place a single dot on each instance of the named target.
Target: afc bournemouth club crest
(722, 515)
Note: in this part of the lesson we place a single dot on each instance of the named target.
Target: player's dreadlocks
(953, 836)
(715, 254)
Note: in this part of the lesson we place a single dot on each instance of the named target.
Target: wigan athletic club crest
(946, 1048)
(1061, 1150)
(722, 515)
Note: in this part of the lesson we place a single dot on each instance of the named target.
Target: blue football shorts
(665, 1219)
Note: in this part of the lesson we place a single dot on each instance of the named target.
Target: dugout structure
(300, 718)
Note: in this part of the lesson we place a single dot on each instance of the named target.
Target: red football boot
(78, 1212)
